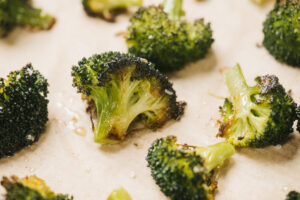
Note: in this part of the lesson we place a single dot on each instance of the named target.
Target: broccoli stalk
(123, 89)
(29, 188)
(186, 172)
(24, 15)
(20, 13)
(152, 27)
(119, 194)
(256, 116)
(108, 8)
(173, 8)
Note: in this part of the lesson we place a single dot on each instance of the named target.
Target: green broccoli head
(119, 194)
(125, 89)
(20, 13)
(256, 116)
(108, 8)
(298, 117)
(186, 172)
(29, 188)
(282, 32)
(158, 34)
(293, 196)
(23, 109)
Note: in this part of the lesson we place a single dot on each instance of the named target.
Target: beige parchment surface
(74, 164)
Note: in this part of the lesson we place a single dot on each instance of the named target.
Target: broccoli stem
(235, 81)
(173, 8)
(25, 15)
(215, 155)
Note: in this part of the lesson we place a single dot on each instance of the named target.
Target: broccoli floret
(29, 188)
(256, 116)
(282, 32)
(108, 9)
(119, 194)
(20, 13)
(23, 109)
(298, 117)
(123, 89)
(157, 34)
(293, 196)
(186, 172)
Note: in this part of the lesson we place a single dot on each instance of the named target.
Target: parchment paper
(70, 162)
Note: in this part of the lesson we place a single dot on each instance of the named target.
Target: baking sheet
(66, 156)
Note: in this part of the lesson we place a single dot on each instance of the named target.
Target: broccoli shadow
(135, 137)
(12, 37)
(27, 150)
(206, 64)
(223, 171)
(274, 154)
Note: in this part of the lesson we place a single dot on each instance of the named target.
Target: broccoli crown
(256, 116)
(282, 32)
(23, 109)
(293, 196)
(165, 40)
(124, 89)
(298, 117)
(21, 13)
(29, 188)
(108, 9)
(185, 172)
(119, 194)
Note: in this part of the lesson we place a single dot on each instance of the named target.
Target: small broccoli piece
(186, 172)
(158, 34)
(20, 13)
(29, 188)
(23, 109)
(282, 32)
(293, 196)
(119, 194)
(256, 116)
(298, 117)
(123, 89)
(108, 8)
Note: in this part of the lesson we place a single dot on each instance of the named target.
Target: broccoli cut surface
(23, 109)
(282, 32)
(157, 34)
(29, 188)
(108, 8)
(256, 116)
(186, 172)
(123, 89)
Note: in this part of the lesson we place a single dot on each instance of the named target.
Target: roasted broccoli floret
(29, 188)
(123, 89)
(108, 8)
(256, 116)
(20, 13)
(293, 196)
(23, 109)
(298, 118)
(186, 172)
(119, 194)
(157, 34)
(282, 32)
